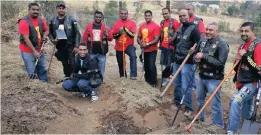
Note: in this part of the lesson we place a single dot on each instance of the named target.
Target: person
(33, 32)
(248, 72)
(96, 36)
(200, 25)
(148, 37)
(66, 49)
(211, 57)
(84, 68)
(123, 32)
(196, 20)
(169, 27)
(187, 36)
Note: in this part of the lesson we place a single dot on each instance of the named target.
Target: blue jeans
(208, 86)
(131, 52)
(182, 83)
(78, 85)
(241, 104)
(165, 56)
(39, 69)
(102, 62)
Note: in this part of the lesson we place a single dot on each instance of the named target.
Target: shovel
(251, 126)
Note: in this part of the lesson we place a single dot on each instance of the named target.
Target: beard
(244, 37)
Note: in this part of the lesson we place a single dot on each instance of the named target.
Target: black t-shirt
(96, 46)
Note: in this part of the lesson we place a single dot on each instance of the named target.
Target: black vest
(196, 21)
(171, 29)
(33, 35)
(184, 44)
(68, 28)
(245, 75)
(207, 71)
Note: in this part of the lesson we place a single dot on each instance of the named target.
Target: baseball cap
(60, 4)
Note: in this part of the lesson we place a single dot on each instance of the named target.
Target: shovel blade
(250, 127)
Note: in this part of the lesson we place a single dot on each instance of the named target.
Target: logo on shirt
(96, 35)
(38, 34)
(145, 34)
(165, 36)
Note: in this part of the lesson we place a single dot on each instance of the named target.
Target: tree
(232, 10)
(203, 9)
(95, 5)
(109, 12)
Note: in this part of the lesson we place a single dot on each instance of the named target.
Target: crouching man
(86, 76)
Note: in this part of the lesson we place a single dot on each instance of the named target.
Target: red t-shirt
(257, 56)
(24, 30)
(165, 40)
(124, 39)
(201, 26)
(148, 31)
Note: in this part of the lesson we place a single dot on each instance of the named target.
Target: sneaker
(165, 82)
(94, 96)
(133, 78)
(230, 132)
(188, 113)
(83, 95)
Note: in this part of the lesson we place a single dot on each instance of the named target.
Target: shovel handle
(177, 72)
(212, 96)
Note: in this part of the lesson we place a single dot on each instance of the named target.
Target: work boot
(94, 96)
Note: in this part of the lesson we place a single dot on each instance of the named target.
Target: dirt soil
(124, 107)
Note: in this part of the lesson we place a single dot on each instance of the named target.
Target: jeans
(102, 62)
(241, 104)
(131, 52)
(182, 83)
(208, 86)
(150, 67)
(165, 56)
(39, 69)
(78, 85)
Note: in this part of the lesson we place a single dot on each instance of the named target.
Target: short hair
(33, 4)
(83, 44)
(213, 23)
(166, 8)
(147, 11)
(98, 12)
(124, 9)
(250, 24)
(193, 7)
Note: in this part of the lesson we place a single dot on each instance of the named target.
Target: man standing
(196, 20)
(84, 68)
(124, 32)
(66, 49)
(169, 27)
(211, 57)
(33, 32)
(148, 38)
(96, 36)
(247, 75)
(187, 36)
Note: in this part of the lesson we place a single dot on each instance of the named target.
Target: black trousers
(150, 67)
(66, 56)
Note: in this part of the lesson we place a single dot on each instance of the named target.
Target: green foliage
(95, 5)
(111, 13)
(232, 10)
(216, 11)
(203, 9)
(258, 25)
(139, 9)
(224, 26)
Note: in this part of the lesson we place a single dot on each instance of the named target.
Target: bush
(203, 9)
(232, 10)
(224, 26)
(110, 12)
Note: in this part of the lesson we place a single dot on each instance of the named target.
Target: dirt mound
(27, 107)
